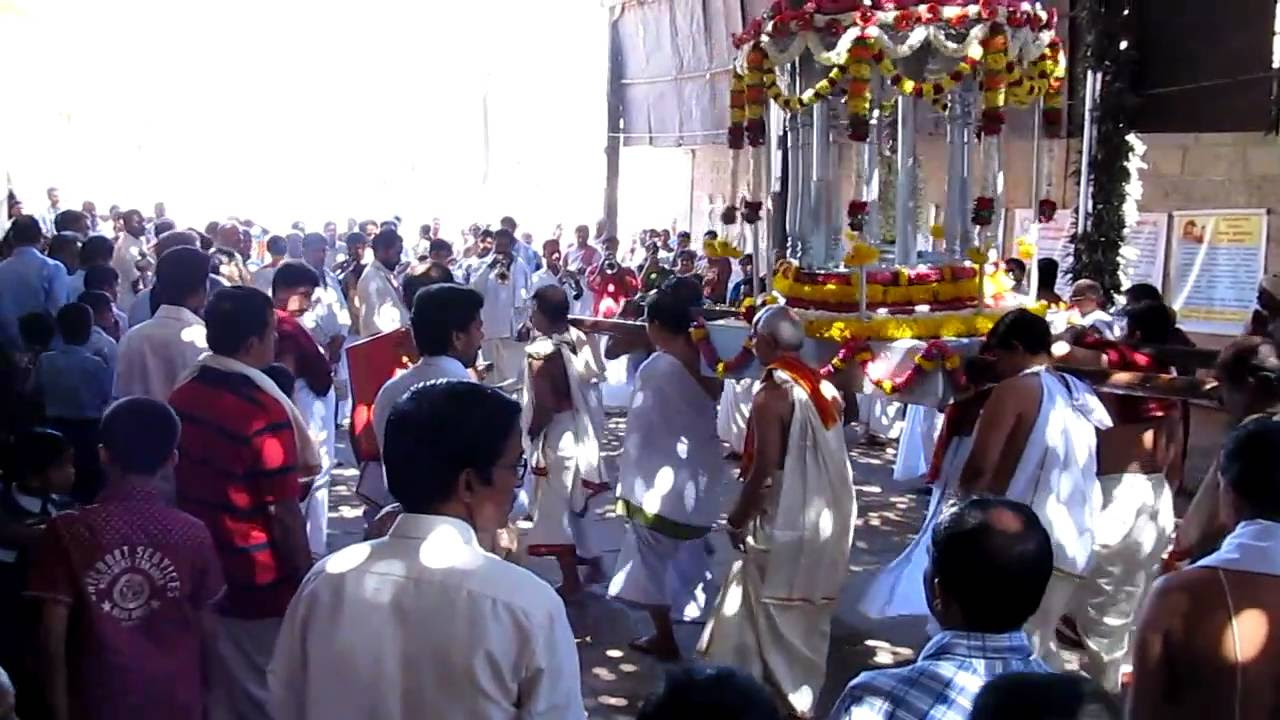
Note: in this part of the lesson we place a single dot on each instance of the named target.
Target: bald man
(793, 522)
(230, 238)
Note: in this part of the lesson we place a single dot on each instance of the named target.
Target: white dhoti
(773, 616)
(1132, 533)
(915, 447)
(238, 662)
(1042, 628)
(897, 590)
(557, 506)
(882, 415)
(735, 410)
(507, 356)
(656, 570)
(671, 477)
(320, 414)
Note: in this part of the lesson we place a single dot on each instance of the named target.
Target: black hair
(386, 239)
(553, 302)
(1046, 273)
(507, 220)
(363, 223)
(1151, 321)
(439, 245)
(389, 225)
(181, 273)
(97, 301)
(710, 234)
(437, 431)
(683, 234)
(101, 277)
(1044, 696)
(139, 434)
(96, 250)
(315, 240)
(486, 233)
(63, 221)
(234, 316)
(37, 330)
(41, 449)
(671, 306)
(283, 378)
(25, 230)
(162, 226)
(1017, 264)
(292, 275)
(1023, 329)
(276, 246)
(211, 228)
(1249, 468)
(1142, 292)
(1250, 358)
(747, 259)
(977, 547)
(355, 238)
(428, 275)
(709, 693)
(504, 233)
(687, 253)
(441, 310)
(75, 323)
(64, 242)
(134, 213)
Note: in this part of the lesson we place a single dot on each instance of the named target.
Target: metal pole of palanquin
(905, 228)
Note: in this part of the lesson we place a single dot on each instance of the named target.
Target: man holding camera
(611, 282)
(504, 282)
(554, 272)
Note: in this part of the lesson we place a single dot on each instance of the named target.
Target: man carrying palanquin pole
(793, 521)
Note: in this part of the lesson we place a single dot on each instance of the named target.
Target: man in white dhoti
(329, 319)
(378, 295)
(130, 258)
(293, 287)
(793, 521)
(1139, 462)
(671, 476)
(504, 283)
(1036, 442)
(563, 418)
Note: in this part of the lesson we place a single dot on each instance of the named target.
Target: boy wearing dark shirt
(137, 575)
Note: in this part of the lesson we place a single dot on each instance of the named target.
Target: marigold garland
(994, 79)
(858, 103)
(702, 339)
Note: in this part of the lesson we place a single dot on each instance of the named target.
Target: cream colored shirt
(381, 306)
(424, 624)
(154, 355)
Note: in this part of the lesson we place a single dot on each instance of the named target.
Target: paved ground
(615, 679)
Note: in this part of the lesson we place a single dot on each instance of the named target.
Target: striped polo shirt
(237, 457)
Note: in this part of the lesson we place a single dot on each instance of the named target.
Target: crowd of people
(173, 396)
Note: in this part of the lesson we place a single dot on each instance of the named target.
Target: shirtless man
(1036, 442)
(1207, 644)
(773, 618)
(1139, 464)
(564, 420)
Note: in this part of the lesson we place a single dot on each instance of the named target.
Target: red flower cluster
(984, 210)
(992, 122)
(1047, 209)
(729, 216)
(857, 213)
(751, 210)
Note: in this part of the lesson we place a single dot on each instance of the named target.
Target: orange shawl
(811, 382)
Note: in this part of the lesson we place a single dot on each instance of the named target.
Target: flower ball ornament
(984, 211)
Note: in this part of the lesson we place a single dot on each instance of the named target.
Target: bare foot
(662, 650)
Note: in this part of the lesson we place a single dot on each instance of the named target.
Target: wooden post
(613, 136)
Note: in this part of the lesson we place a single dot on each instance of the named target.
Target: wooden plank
(1192, 358)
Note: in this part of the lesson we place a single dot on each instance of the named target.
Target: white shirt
(424, 624)
(154, 355)
(263, 276)
(381, 305)
(129, 250)
(432, 367)
(102, 346)
(543, 278)
(75, 285)
(505, 304)
(328, 315)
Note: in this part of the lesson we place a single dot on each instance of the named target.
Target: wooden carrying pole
(1199, 391)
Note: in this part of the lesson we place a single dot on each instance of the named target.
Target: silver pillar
(1084, 206)
(794, 187)
(870, 191)
(820, 187)
(905, 228)
(956, 219)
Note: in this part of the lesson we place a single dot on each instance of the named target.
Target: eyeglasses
(520, 467)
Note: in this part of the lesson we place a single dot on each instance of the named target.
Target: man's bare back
(1003, 430)
(1185, 662)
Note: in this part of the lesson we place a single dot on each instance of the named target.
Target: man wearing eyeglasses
(458, 632)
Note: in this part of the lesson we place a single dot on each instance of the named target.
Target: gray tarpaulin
(675, 59)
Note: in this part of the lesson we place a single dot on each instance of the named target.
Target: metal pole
(613, 139)
(1037, 189)
(819, 235)
(905, 248)
(1084, 208)
(956, 219)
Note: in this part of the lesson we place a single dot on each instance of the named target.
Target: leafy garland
(1096, 254)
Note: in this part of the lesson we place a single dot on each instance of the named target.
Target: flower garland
(934, 89)
(759, 77)
(839, 327)
(858, 103)
(994, 79)
(737, 111)
(702, 339)
(1053, 101)
(935, 355)
(984, 210)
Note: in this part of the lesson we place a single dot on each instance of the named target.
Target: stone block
(1214, 161)
(1165, 159)
(1225, 138)
(1167, 139)
(1262, 159)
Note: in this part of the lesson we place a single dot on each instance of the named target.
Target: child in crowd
(105, 334)
(106, 279)
(136, 574)
(35, 489)
(75, 387)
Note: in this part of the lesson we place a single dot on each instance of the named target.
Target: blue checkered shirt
(942, 683)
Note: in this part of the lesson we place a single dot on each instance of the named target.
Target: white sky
(283, 109)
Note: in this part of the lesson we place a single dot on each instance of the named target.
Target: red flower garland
(936, 354)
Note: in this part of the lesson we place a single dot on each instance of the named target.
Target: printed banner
(1144, 248)
(1218, 257)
